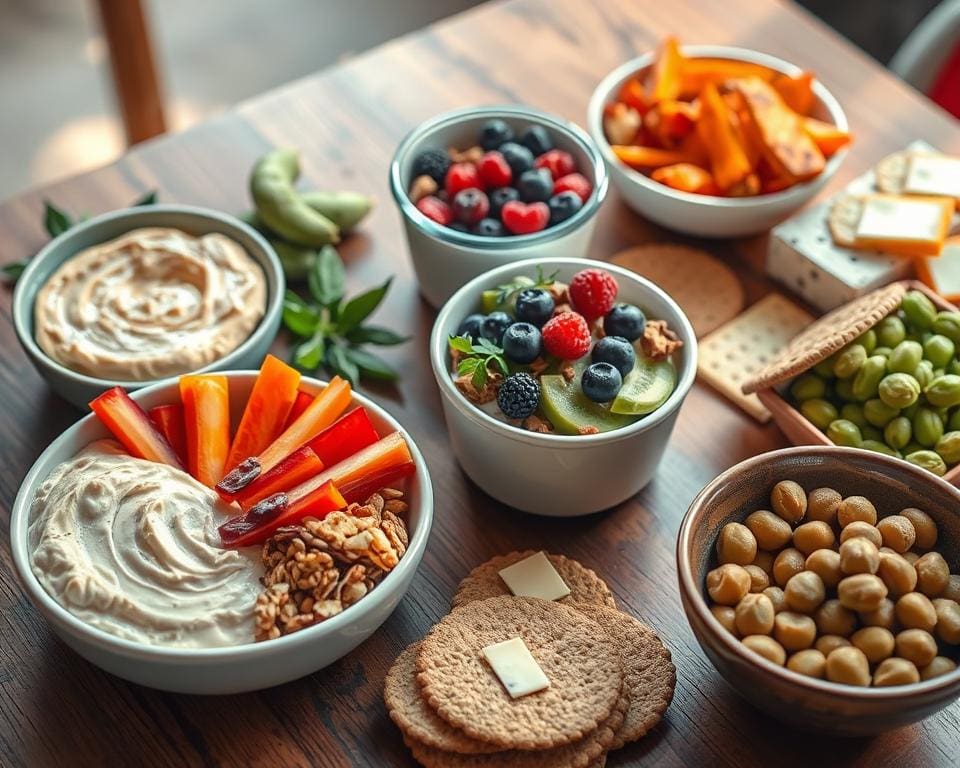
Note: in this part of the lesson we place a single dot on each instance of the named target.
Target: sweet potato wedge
(686, 177)
(695, 74)
(796, 92)
(728, 158)
(826, 136)
(665, 78)
(650, 157)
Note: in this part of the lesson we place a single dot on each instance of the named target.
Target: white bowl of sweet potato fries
(716, 141)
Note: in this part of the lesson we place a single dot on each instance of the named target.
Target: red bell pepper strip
(168, 419)
(130, 424)
(298, 467)
(343, 438)
(360, 489)
(299, 406)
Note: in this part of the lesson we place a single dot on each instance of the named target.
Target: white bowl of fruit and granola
(224, 533)
(560, 381)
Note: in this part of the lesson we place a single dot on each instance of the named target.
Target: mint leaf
(479, 378)
(370, 365)
(374, 334)
(148, 198)
(360, 307)
(298, 316)
(487, 347)
(461, 344)
(337, 359)
(326, 278)
(468, 366)
(11, 272)
(55, 221)
(309, 354)
(499, 362)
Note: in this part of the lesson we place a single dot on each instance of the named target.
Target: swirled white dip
(131, 547)
(155, 302)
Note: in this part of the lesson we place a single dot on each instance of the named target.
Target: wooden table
(56, 708)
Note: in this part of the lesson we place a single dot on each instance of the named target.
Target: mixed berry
(569, 359)
(506, 185)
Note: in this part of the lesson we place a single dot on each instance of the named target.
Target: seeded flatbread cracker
(580, 661)
(707, 290)
(484, 581)
(407, 709)
(891, 172)
(843, 218)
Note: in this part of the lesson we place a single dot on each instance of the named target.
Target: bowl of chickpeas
(824, 585)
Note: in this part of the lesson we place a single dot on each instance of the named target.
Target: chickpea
(933, 574)
(861, 592)
(728, 584)
(808, 662)
(911, 557)
(915, 611)
(771, 531)
(736, 544)
(856, 508)
(875, 642)
(948, 620)
(833, 619)
(859, 555)
(897, 533)
(794, 631)
(764, 561)
(923, 525)
(826, 644)
(810, 537)
(759, 580)
(888, 551)
(941, 665)
(899, 576)
(895, 672)
(786, 565)
(777, 597)
(789, 501)
(884, 616)
(861, 529)
(754, 615)
(804, 592)
(826, 564)
(917, 646)
(952, 592)
(725, 615)
(767, 647)
(848, 665)
(822, 504)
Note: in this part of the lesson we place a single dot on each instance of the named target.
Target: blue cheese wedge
(535, 576)
(516, 668)
(929, 174)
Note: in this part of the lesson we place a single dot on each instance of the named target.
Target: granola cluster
(317, 569)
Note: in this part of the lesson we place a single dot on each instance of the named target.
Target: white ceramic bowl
(80, 389)
(707, 215)
(443, 258)
(244, 667)
(559, 475)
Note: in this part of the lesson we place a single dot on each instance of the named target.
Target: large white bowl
(708, 215)
(559, 475)
(244, 667)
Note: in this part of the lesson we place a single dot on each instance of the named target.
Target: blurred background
(210, 54)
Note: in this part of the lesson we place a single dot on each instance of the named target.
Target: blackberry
(433, 163)
(534, 306)
(601, 382)
(500, 197)
(625, 320)
(522, 343)
(537, 139)
(617, 351)
(519, 396)
(494, 133)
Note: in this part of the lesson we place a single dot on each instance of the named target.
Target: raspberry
(524, 219)
(558, 162)
(494, 170)
(461, 176)
(435, 209)
(566, 336)
(593, 293)
(574, 182)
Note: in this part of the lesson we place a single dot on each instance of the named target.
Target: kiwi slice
(646, 387)
(569, 410)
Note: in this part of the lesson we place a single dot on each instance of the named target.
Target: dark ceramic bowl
(892, 485)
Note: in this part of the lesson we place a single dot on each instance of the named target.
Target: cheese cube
(535, 576)
(914, 226)
(942, 273)
(933, 175)
(513, 663)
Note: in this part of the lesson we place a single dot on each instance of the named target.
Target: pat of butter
(535, 576)
(942, 273)
(513, 663)
(933, 175)
(914, 226)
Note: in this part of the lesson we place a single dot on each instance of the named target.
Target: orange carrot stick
(665, 80)
(206, 411)
(650, 157)
(132, 427)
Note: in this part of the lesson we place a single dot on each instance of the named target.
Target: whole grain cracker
(843, 218)
(484, 581)
(890, 174)
(649, 674)
(581, 662)
(414, 718)
(708, 291)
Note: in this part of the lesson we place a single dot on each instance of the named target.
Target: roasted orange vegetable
(633, 95)
(796, 92)
(826, 136)
(696, 73)
(740, 122)
(665, 80)
(686, 177)
(670, 122)
(206, 417)
(650, 157)
(728, 158)
(621, 123)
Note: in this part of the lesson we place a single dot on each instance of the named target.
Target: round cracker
(891, 173)
(649, 674)
(484, 581)
(843, 218)
(707, 290)
(580, 661)
(409, 711)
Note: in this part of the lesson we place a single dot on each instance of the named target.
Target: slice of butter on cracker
(931, 174)
(907, 226)
(535, 576)
(516, 668)
(942, 273)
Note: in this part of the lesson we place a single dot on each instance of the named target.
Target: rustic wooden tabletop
(56, 709)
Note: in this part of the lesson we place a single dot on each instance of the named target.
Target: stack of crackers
(608, 678)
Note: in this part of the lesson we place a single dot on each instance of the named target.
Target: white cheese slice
(942, 273)
(513, 663)
(902, 219)
(933, 175)
(535, 576)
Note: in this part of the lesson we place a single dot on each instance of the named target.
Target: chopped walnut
(567, 371)
(535, 424)
(423, 186)
(658, 341)
(538, 366)
(471, 155)
(588, 430)
(560, 293)
(486, 395)
(562, 308)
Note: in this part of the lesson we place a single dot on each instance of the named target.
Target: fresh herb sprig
(505, 291)
(331, 329)
(478, 359)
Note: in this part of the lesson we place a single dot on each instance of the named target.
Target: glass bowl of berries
(487, 186)
(560, 381)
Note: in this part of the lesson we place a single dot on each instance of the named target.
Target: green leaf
(461, 344)
(56, 221)
(486, 347)
(326, 279)
(479, 378)
(343, 365)
(375, 334)
(500, 363)
(11, 272)
(298, 316)
(309, 354)
(371, 365)
(148, 198)
(468, 366)
(360, 307)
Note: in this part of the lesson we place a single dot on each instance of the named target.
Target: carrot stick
(297, 468)
(299, 406)
(168, 419)
(132, 427)
(665, 82)
(650, 157)
(206, 410)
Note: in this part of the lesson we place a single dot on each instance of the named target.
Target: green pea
(929, 460)
(849, 360)
(867, 340)
(807, 386)
(919, 310)
(844, 390)
(877, 446)
(944, 390)
(899, 390)
(948, 447)
(905, 357)
(927, 427)
(924, 373)
(870, 432)
(854, 412)
(843, 432)
(948, 324)
(882, 351)
(939, 350)
(878, 413)
(820, 412)
(898, 432)
(890, 331)
(824, 369)
(867, 380)
(954, 421)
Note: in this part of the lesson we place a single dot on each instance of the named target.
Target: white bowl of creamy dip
(126, 544)
(145, 294)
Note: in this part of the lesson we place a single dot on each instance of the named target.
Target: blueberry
(489, 228)
(494, 325)
(625, 320)
(535, 186)
(534, 306)
(537, 139)
(494, 133)
(471, 326)
(518, 157)
(470, 205)
(500, 197)
(522, 343)
(433, 163)
(563, 206)
(460, 227)
(615, 350)
(519, 396)
(601, 382)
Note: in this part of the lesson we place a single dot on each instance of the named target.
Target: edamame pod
(844, 390)
(954, 422)
(878, 446)
(807, 386)
(867, 380)
(824, 368)
(929, 460)
(854, 412)
(867, 340)
(924, 373)
(948, 324)
(345, 209)
(882, 351)
(948, 447)
(919, 310)
(878, 413)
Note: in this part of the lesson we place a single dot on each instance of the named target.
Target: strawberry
(558, 162)
(566, 336)
(593, 293)
(524, 218)
(494, 170)
(435, 209)
(574, 182)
